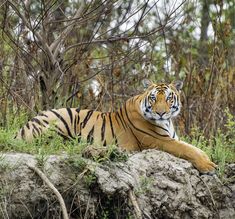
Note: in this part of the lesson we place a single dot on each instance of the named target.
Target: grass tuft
(221, 147)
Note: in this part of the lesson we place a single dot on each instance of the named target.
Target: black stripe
(162, 87)
(27, 125)
(78, 110)
(63, 121)
(116, 119)
(104, 144)
(116, 141)
(140, 130)
(90, 136)
(59, 130)
(38, 122)
(122, 114)
(111, 125)
(22, 133)
(158, 126)
(79, 138)
(80, 132)
(75, 125)
(70, 114)
(45, 121)
(78, 119)
(40, 129)
(36, 128)
(63, 136)
(122, 119)
(138, 142)
(88, 116)
(159, 133)
(173, 135)
(145, 102)
(103, 127)
(174, 103)
(42, 114)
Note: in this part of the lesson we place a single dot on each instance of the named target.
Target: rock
(164, 186)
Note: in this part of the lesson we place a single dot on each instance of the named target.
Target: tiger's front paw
(204, 164)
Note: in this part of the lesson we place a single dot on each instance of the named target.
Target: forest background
(94, 54)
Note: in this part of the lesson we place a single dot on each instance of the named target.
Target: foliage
(221, 147)
(146, 183)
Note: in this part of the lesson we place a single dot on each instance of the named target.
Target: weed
(115, 154)
(89, 179)
(4, 166)
(221, 147)
(146, 183)
(105, 215)
(77, 162)
(101, 154)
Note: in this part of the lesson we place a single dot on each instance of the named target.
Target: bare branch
(138, 212)
(52, 187)
(57, 43)
(39, 37)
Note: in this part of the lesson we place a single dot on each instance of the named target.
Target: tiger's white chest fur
(168, 125)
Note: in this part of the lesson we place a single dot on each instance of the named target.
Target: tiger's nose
(161, 113)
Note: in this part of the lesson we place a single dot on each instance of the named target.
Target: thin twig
(52, 187)
(38, 36)
(56, 44)
(138, 212)
(212, 198)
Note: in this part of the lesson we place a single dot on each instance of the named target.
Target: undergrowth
(221, 147)
(52, 143)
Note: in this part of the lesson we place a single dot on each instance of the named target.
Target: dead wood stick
(208, 189)
(135, 204)
(52, 187)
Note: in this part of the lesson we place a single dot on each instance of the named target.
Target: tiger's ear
(146, 83)
(178, 85)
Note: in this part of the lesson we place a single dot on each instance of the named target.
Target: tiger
(143, 122)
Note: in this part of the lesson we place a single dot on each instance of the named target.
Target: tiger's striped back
(123, 127)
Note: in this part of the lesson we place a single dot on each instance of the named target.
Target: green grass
(221, 147)
(51, 143)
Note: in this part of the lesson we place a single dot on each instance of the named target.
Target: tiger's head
(161, 101)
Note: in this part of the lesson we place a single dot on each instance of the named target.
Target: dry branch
(52, 187)
(57, 43)
(135, 204)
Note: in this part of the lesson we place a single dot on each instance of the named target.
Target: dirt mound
(150, 184)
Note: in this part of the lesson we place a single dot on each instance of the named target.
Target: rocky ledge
(149, 184)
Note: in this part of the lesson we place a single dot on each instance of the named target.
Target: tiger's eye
(168, 98)
(153, 98)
